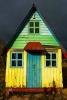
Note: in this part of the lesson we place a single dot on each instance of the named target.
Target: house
(34, 56)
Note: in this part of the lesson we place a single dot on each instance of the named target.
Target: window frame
(16, 59)
(51, 60)
(34, 27)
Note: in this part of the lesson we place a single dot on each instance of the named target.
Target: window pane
(47, 63)
(53, 56)
(31, 24)
(31, 30)
(13, 63)
(47, 56)
(19, 55)
(53, 63)
(36, 30)
(19, 63)
(13, 55)
(36, 24)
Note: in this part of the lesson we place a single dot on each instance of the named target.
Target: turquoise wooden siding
(45, 37)
(44, 29)
(25, 30)
(34, 70)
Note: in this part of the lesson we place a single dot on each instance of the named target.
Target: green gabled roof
(22, 25)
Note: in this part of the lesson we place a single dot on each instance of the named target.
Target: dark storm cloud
(12, 12)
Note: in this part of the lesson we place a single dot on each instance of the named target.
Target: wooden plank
(28, 90)
(7, 69)
(42, 64)
(23, 78)
(25, 67)
(15, 77)
(33, 37)
(44, 73)
(49, 74)
(18, 77)
(38, 71)
(51, 77)
(6, 77)
(58, 70)
(12, 76)
(58, 77)
(46, 77)
(54, 78)
(9, 80)
(60, 67)
(15, 50)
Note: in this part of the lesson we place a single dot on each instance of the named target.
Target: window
(16, 59)
(34, 27)
(51, 59)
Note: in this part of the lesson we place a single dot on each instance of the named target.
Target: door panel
(34, 70)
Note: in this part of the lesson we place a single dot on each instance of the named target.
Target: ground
(35, 96)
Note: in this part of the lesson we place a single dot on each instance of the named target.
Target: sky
(12, 12)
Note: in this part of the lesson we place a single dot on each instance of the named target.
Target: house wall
(16, 77)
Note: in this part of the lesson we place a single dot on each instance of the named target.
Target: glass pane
(13, 55)
(36, 24)
(47, 56)
(53, 63)
(31, 24)
(19, 55)
(14, 63)
(36, 30)
(19, 63)
(53, 56)
(47, 63)
(31, 30)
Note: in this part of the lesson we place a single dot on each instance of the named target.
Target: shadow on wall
(64, 71)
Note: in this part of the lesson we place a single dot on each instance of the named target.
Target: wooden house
(34, 57)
